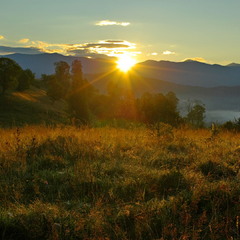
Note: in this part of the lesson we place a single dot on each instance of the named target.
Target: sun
(125, 63)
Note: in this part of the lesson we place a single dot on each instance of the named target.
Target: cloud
(197, 59)
(101, 49)
(2, 37)
(154, 54)
(114, 41)
(49, 47)
(110, 48)
(24, 40)
(167, 52)
(24, 50)
(106, 45)
(111, 23)
(86, 53)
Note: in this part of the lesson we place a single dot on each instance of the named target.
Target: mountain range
(217, 86)
(191, 73)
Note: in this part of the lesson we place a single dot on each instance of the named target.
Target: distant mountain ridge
(190, 73)
(44, 63)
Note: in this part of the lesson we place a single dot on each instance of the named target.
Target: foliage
(55, 90)
(77, 97)
(233, 126)
(113, 183)
(58, 84)
(72, 88)
(155, 108)
(9, 74)
(196, 114)
(25, 79)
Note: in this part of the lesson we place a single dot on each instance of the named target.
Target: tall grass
(112, 183)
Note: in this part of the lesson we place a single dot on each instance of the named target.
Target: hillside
(30, 107)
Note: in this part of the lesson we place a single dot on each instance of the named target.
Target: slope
(30, 107)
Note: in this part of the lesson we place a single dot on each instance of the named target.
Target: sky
(173, 30)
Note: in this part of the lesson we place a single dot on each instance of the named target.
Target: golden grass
(110, 183)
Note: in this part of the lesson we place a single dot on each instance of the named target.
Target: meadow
(111, 183)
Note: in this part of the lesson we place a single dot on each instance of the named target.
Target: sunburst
(125, 63)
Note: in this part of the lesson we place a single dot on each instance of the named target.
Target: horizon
(114, 59)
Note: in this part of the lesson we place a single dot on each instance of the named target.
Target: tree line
(85, 103)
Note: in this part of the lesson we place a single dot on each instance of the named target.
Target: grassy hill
(68, 183)
(30, 107)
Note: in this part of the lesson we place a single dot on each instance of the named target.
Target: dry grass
(110, 183)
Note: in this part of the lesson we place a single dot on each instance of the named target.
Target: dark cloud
(86, 53)
(105, 45)
(98, 49)
(114, 41)
(24, 50)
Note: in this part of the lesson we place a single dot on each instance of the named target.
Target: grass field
(111, 183)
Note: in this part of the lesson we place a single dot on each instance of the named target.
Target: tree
(9, 74)
(172, 116)
(196, 114)
(122, 102)
(25, 79)
(155, 108)
(77, 98)
(62, 74)
(55, 90)
(58, 84)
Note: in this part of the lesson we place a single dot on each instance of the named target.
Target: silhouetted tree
(58, 84)
(9, 74)
(145, 107)
(25, 79)
(62, 75)
(196, 115)
(171, 112)
(122, 102)
(159, 108)
(77, 98)
(55, 90)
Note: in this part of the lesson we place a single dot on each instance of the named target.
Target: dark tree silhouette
(62, 74)
(59, 83)
(155, 108)
(77, 98)
(25, 79)
(9, 74)
(196, 115)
